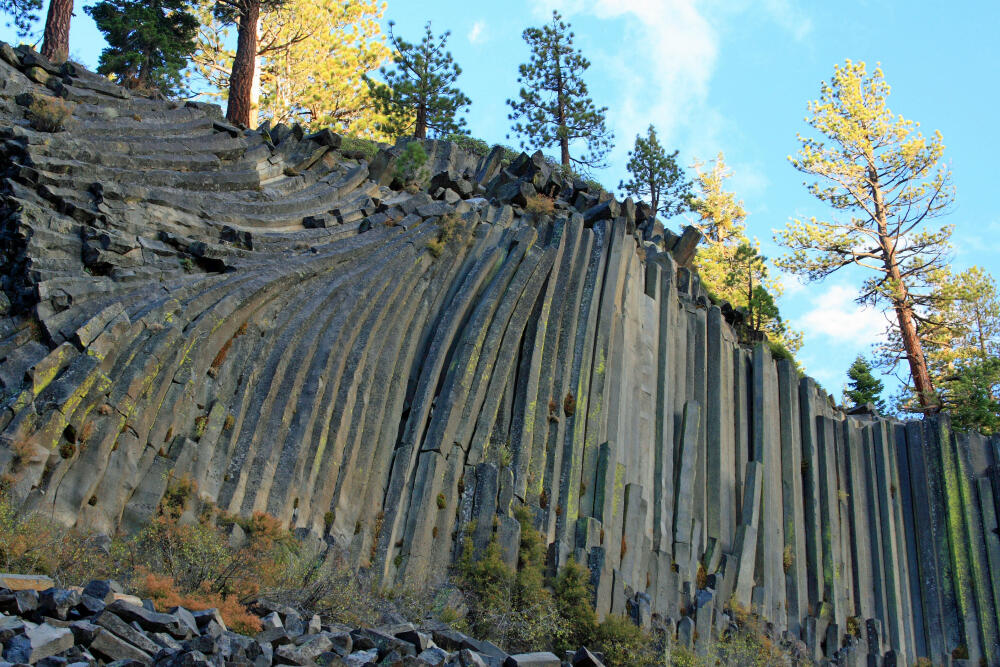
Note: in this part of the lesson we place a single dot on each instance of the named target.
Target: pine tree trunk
(902, 303)
(915, 356)
(420, 130)
(55, 44)
(241, 79)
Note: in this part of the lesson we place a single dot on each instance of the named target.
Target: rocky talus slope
(389, 371)
(97, 624)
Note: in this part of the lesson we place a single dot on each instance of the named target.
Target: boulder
(38, 643)
(536, 659)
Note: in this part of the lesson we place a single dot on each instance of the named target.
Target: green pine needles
(864, 387)
(554, 107)
(656, 177)
(149, 43)
(419, 94)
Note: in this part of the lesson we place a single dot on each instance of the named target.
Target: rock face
(274, 318)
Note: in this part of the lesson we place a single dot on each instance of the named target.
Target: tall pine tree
(884, 180)
(246, 15)
(656, 177)
(419, 92)
(553, 105)
(149, 42)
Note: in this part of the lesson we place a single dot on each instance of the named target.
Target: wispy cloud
(835, 317)
(477, 33)
(790, 17)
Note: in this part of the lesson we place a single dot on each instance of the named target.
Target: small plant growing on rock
(569, 404)
(411, 172)
(200, 426)
(540, 205)
(452, 232)
(787, 558)
(442, 502)
(49, 114)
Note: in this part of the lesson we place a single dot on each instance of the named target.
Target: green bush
(481, 148)
(365, 147)
(411, 169)
(624, 643)
(574, 599)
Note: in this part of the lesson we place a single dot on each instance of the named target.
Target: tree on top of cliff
(311, 58)
(864, 387)
(882, 175)
(419, 93)
(246, 15)
(657, 177)
(730, 264)
(721, 217)
(149, 42)
(553, 105)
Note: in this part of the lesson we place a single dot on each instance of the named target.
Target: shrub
(574, 597)
(787, 558)
(452, 232)
(779, 351)
(28, 542)
(411, 169)
(624, 643)
(540, 205)
(481, 148)
(365, 148)
(164, 593)
(49, 114)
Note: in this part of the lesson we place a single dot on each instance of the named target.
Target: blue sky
(735, 77)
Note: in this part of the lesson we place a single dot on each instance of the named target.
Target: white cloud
(477, 33)
(836, 318)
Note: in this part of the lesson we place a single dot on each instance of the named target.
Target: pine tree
(246, 15)
(656, 176)
(149, 42)
(884, 175)
(729, 264)
(419, 92)
(55, 37)
(314, 57)
(553, 105)
(311, 59)
(864, 387)
(745, 277)
(959, 328)
(721, 216)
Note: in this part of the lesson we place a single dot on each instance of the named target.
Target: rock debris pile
(98, 625)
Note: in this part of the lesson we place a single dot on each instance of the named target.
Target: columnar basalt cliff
(278, 319)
